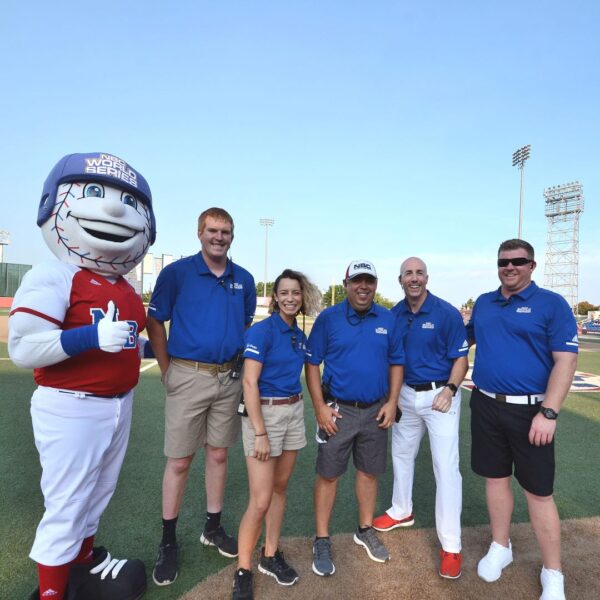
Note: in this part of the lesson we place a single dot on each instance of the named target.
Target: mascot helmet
(99, 167)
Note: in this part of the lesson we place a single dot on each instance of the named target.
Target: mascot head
(96, 212)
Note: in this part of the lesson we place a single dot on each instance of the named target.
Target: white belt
(527, 399)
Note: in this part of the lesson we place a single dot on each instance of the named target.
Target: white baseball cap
(360, 267)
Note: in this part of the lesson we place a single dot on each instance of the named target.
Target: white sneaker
(491, 565)
(553, 584)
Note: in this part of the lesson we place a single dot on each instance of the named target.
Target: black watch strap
(452, 387)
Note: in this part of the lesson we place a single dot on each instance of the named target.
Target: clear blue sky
(373, 130)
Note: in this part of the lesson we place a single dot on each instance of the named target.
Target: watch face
(548, 413)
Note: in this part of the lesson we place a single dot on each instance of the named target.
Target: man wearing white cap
(355, 402)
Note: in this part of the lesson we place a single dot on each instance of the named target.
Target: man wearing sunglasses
(525, 360)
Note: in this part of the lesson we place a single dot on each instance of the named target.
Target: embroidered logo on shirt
(236, 286)
(573, 342)
(428, 325)
(464, 347)
(49, 592)
(524, 309)
(95, 282)
(381, 330)
(252, 348)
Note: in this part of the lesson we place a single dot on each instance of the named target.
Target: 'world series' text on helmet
(97, 167)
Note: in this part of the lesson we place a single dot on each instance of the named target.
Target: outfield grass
(131, 525)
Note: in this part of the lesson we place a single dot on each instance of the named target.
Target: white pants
(418, 417)
(81, 443)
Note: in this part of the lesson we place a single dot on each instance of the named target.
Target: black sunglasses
(516, 262)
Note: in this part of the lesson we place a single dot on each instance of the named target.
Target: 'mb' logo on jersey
(98, 314)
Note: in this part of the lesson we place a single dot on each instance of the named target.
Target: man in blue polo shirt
(435, 342)
(209, 301)
(525, 359)
(355, 402)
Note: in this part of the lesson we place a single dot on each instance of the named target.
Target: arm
(443, 400)
(34, 342)
(325, 414)
(387, 413)
(157, 333)
(542, 430)
(252, 371)
(37, 342)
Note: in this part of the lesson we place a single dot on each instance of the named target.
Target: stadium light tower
(266, 223)
(518, 160)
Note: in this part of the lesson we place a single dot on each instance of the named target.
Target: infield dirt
(412, 571)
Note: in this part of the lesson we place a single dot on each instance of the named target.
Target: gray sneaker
(372, 544)
(322, 563)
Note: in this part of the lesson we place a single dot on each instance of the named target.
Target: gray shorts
(200, 408)
(358, 433)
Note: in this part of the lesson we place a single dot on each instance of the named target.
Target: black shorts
(358, 434)
(500, 439)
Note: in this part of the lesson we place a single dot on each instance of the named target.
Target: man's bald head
(414, 261)
(413, 279)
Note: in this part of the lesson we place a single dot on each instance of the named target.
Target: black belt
(357, 404)
(86, 394)
(425, 387)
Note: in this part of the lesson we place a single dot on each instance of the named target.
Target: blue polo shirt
(281, 349)
(357, 351)
(208, 314)
(433, 338)
(515, 339)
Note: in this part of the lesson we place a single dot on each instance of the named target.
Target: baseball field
(131, 525)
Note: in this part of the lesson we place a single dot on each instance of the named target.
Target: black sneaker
(243, 588)
(277, 567)
(165, 567)
(106, 578)
(226, 544)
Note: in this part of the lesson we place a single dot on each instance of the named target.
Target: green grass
(131, 526)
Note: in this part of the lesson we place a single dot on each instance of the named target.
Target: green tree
(584, 307)
(468, 304)
(260, 288)
(339, 295)
(383, 301)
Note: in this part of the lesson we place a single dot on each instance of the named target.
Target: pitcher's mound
(412, 571)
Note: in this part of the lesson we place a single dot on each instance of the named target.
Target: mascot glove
(112, 335)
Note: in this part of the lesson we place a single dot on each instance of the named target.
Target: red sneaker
(450, 564)
(386, 523)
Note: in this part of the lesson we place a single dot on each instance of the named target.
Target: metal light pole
(266, 223)
(518, 160)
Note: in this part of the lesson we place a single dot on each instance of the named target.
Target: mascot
(76, 321)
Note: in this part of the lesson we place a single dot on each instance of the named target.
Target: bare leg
(260, 478)
(546, 525)
(325, 490)
(366, 493)
(215, 474)
(274, 519)
(500, 502)
(174, 480)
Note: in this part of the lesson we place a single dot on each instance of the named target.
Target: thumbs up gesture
(112, 335)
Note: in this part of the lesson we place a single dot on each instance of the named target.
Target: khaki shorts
(285, 427)
(200, 408)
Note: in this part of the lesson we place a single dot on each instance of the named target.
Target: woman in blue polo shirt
(273, 431)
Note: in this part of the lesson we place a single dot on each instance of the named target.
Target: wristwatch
(549, 413)
(452, 387)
